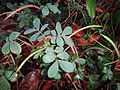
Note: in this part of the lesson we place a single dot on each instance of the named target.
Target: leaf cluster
(11, 45)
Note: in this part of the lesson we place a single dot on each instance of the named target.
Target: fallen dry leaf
(47, 85)
(30, 81)
(94, 36)
(91, 39)
(75, 28)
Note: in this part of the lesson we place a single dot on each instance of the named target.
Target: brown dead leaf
(30, 81)
(48, 84)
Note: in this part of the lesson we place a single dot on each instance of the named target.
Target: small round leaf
(53, 8)
(13, 35)
(40, 38)
(47, 33)
(58, 76)
(58, 28)
(34, 36)
(53, 40)
(53, 32)
(36, 23)
(49, 50)
(66, 66)
(68, 41)
(59, 49)
(67, 31)
(63, 55)
(45, 11)
(44, 27)
(15, 47)
(48, 58)
(30, 31)
(6, 48)
(81, 61)
(60, 41)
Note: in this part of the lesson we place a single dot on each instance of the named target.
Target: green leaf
(113, 44)
(44, 27)
(48, 58)
(4, 84)
(10, 75)
(116, 17)
(12, 6)
(36, 23)
(66, 66)
(63, 55)
(49, 50)
(15, 47)
(1, 71)
(105, 17)
(59, 49)
(13, 35)
(53, 32)
(34, 36)
(30, 31)
(67, 31)
(47, 33)
(53, 40)
(45, 11)
(22, 24)
(68, 41)
(81, 61)
(40, 38)
(108, 75)
(53, 8)
(58, 76)
(60, 41)
(91, 8)
(6, 48)
(7, 39)
(58, 28)
(36, 56)
(53, 70)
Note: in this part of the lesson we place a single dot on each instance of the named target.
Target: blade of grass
(113, 44)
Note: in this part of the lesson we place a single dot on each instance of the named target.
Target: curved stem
(91, 26)
(18, 69)
(112, 62)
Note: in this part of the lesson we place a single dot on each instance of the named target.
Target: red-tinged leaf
(31, 81)
(26, 51)
(117, 65)
(96, 37)
(79, 33)
(99, 10)
(48, 84)
(82, 41)
(79, 27)
(26, 54)
(9, 30)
